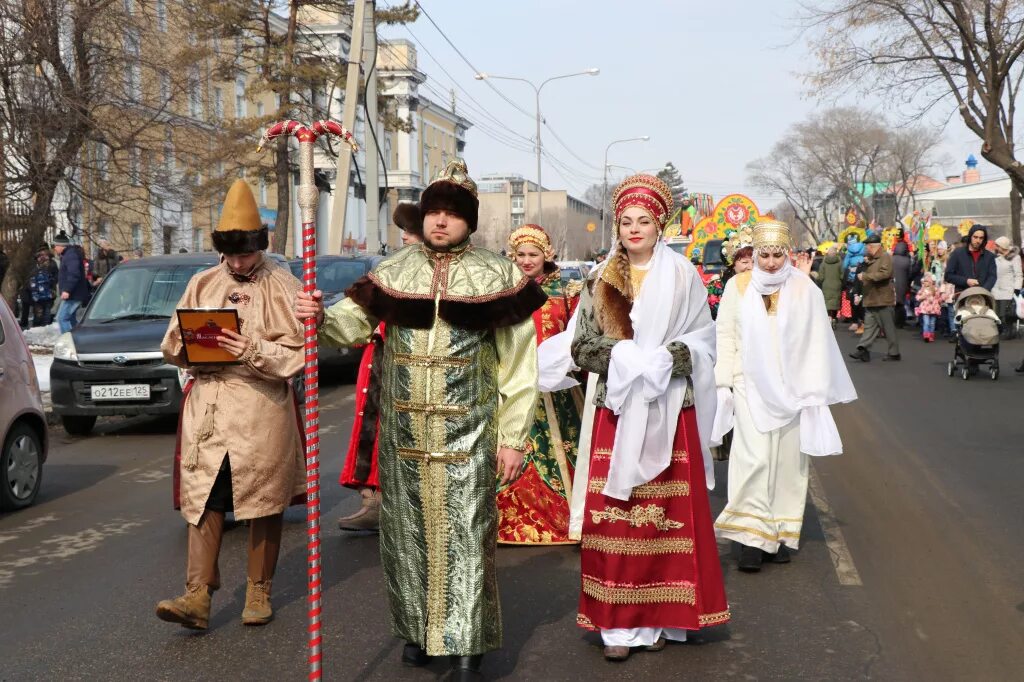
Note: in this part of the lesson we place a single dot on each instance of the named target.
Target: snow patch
(39, 338)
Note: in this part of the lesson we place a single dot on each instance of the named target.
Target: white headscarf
(808, 374)
(672, 307)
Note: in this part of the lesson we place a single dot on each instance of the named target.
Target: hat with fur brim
(409, 218)
(453, 190)
(240, 229)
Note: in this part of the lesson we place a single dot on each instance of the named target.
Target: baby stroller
(977, 336)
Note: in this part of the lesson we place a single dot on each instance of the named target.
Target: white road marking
(28, 526)
(152, 476)
(62, 547)
(842, 560)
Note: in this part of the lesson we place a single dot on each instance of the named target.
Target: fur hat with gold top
(453, 190)
(240, 229)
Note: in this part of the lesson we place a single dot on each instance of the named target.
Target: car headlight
(64, 349)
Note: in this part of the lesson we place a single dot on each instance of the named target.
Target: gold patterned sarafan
(638, 546)
(647, 490)
(707, 619)
(640, 515)
(684, 592)
(602, 454)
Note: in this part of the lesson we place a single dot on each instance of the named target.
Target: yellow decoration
(965, 226)
(936, 232)
(591, 227)
(733, 212)
(673, 230)
(825, 246)
(851, 217)
(889, 235)
(853, 231)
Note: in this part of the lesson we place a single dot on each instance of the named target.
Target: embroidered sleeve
(591, 350)
(682, 364)
(347, 324)
(517, 382)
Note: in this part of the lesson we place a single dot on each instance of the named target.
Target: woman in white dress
(778, 370)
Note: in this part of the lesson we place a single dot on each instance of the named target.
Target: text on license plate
(120, 392)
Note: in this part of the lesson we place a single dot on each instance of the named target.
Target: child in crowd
(929, 306)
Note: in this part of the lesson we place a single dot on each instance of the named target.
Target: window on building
(197, 241)
(168, 151)
(103, 228)
(134, 166)
(133, 68)
(518, 203)
(103, 162)
(218, 103)
(136, 236)
(195, 99)
(259, 109)
(517, 219)
(240, 97)
(165, 88)
(161, 15)
(263, 192)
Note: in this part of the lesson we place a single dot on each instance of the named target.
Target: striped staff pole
(307, 200)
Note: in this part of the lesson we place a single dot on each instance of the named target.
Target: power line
(469, 63)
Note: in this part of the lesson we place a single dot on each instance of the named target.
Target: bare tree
(86, 86)
(967, 52)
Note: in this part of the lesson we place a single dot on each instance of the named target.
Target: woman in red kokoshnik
(360, 469)
(534, 508)
(649, 561)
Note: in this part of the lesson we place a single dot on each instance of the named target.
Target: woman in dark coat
(830, 277)
(901, 267)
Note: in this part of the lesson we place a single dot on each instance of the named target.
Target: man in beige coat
(240, 445)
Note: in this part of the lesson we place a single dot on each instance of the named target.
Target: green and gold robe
(459, 380)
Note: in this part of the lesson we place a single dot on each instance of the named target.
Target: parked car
(111, 364)
(22, 420)
(573, 270)
(335, 274)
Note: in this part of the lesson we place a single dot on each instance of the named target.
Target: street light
(537, 88)
(604, 193)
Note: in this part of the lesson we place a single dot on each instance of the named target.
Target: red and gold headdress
(533, 235)
(647, 192)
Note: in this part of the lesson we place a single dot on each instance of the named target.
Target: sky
(714, 85)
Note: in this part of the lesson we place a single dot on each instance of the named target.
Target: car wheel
(21, 468)
(78, 425)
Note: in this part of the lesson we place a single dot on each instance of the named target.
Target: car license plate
(120, 392)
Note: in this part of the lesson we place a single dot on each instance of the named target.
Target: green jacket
(830, 276)
(878, 290)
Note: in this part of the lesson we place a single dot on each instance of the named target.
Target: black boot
(780, 557)
(467, 668)
(750, 559)
(861, 354)
(414, 656)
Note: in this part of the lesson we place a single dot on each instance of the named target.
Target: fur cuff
(415, 313)
(506, 311)
(235, 242)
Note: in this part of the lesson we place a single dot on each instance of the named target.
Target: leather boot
(616, 654)
(368, 516)
(750, 559)
(191, 610)
(257, 609)
(467, 668)
(264, 547)
(780, 557)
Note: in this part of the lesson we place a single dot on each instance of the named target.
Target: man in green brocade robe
(459, 385)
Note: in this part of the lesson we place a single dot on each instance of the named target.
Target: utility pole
(339, 203)
(371, 141)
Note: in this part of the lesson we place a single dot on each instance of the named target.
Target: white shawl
(808, 374)
(672, 307)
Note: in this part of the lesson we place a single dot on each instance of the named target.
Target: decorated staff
(307, 199)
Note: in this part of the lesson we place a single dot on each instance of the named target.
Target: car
(111, 363)
(335, 274)
(22, 419)
(573, 270)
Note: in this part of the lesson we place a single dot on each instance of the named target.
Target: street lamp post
(604, 193)
(537, 88)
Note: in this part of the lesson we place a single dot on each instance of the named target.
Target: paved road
(923, 512)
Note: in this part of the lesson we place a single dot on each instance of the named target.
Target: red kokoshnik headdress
(647, 192)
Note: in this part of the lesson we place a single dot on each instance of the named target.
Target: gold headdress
(457, 173)
(772, 235)
(533, 235)
(736, 241)
(647, 192)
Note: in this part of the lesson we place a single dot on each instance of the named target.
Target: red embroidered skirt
(651, 561)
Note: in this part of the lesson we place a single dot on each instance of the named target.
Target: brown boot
(257, 603)
(368, 516)
(191, 610)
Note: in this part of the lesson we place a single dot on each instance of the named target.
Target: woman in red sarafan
(534, 509)
(360, 469)
(649, 561)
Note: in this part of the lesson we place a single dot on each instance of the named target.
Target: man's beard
(441, 247)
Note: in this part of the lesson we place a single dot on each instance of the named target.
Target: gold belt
(428, 457)
(430, 360)
(430, 408)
